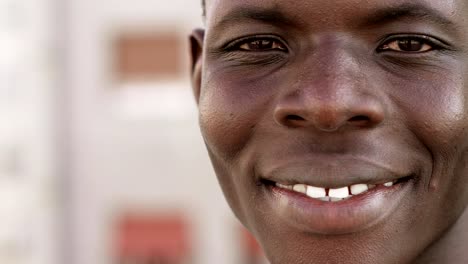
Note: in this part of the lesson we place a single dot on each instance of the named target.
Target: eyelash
(236, 44)
(433, 43)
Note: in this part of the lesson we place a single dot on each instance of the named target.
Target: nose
(333, 94)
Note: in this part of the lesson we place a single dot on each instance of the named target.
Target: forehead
(336, 12)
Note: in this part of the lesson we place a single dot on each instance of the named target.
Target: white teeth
(316, 192)
(334, 195)
(300, 188)
(289, 187)
(339, 193)
(358, 189)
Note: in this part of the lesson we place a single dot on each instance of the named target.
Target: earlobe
(196, 52)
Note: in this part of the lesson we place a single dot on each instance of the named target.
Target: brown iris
(408, 45)
(262, 45)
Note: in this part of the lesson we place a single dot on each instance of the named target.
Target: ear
(196, 54)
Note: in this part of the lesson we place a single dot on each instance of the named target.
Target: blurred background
(101, 159)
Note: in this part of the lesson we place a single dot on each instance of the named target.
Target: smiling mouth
(337, 210)
(335, 194)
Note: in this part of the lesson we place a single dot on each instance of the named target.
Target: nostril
(294, 118)
(359, 118)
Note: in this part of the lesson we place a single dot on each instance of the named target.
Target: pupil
(260, 44)
(410, 45)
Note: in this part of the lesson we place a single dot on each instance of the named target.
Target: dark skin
(335, 93)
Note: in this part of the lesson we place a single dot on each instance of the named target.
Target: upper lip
(329, 172)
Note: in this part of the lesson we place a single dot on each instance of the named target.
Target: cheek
(445, 118)
(230, 108)
(435, 108)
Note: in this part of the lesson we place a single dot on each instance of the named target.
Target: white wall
(28, 197)
(117, 160)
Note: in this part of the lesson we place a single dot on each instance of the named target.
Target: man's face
(361, 100)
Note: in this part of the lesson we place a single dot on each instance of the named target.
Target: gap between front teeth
(331, 195)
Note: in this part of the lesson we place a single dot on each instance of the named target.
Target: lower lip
(333, 218)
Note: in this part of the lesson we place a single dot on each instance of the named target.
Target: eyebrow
(382, 16)
(266, 15)
(407, 11)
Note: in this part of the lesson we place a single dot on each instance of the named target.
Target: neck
(451, 247)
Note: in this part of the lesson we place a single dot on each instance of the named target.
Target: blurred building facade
(101, 159)
(29, 188)
(134, 156)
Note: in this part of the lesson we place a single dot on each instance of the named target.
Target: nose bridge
(332, 73)
(330, 91)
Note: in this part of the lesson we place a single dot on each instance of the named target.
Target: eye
(409, 45)
(264, 44)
